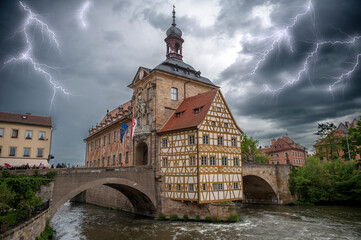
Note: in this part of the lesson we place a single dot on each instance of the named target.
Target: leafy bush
(185, 217)
(198, 218)
(19, 192)
(208, 219)
(173, 217)
(233, 218)
(47, 234)
(51, 175)
(161, 217)
(329, 182)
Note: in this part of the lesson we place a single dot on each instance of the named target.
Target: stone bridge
(262, 183)
(266, 184)
(136, 183)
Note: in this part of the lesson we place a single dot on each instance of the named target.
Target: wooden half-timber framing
(197, 165)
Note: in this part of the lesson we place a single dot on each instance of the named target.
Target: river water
(83, 221)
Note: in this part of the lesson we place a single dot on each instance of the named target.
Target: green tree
(6, 197)
(329, 182)
(330, 142)
(354, 141)
(250, 150)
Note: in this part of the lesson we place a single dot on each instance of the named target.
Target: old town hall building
(185, 131)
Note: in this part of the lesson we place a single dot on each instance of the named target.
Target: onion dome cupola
(174, 40)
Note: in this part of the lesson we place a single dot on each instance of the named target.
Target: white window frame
(164, 142)
(206, 139)
(28, 154)
(192, 161)
(40, 150)
(204, 160)
(224, 161)
(29, 133)
(42, 135)
(236, 162)
(191, 188)
(13, 135)
(212, 161)
(191, 140)
(174, 94)
(12, 148)
(164, 162)
(220, 140)
(234, 142)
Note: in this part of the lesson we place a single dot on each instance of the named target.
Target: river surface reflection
(83, 221)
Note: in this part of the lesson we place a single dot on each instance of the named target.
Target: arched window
(177, 48)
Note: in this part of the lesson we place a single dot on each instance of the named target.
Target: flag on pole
(134, 124)
(124, 129)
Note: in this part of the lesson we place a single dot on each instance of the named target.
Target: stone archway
(141, 157)
(257, 190)
(143, 203)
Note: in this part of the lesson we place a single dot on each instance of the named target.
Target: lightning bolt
(280, 36)
(82, 12)
(312, 55)
(27, 54)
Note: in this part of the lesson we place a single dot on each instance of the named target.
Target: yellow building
(24, 139)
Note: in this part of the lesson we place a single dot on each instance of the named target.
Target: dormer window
(178, 114)
(197, 110)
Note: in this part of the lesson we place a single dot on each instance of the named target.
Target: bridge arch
(143, 202)
(259, 190)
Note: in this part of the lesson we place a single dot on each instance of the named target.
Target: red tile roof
(25, 119)
(116, 110)
(284, 143)
(188, 118)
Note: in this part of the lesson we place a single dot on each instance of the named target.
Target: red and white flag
(134, 124)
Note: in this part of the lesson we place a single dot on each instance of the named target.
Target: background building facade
(285, 151)
(24, 139)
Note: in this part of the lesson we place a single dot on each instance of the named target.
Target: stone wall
(213, 210)
(107, 197)
(46, 192)
(29, 230)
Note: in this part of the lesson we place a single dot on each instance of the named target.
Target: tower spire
(174, 24)
(174, 40)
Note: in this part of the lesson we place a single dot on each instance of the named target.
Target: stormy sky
(283, 66)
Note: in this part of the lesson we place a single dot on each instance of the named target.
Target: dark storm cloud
(307, 101)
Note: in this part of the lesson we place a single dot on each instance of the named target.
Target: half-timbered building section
(200, 151)
(220, 168)
(104, 147)
(178, 164)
